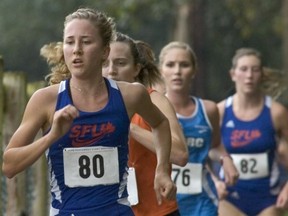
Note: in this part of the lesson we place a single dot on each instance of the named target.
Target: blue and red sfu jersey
(252, 137)
(107, 128)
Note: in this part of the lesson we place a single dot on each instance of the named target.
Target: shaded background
(215, 29)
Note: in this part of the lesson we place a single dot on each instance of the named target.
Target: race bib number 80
(89, 166)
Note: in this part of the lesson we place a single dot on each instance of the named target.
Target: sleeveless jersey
(144, 161)
(202, 199)
(255, 137)
(84, 153)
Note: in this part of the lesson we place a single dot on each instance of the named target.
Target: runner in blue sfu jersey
(85, 123)
(252, 124)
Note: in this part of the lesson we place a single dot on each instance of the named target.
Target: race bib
(132, 187)
(251, 166)
(188, 179)
(90, 166)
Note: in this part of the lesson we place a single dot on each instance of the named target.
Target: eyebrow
(84, 36)
(120, 58)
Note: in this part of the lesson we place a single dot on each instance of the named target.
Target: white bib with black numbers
(90, 166)
(188, 179)
(251, 166)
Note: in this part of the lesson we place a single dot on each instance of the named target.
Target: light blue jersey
(88, 165)
(195, 188)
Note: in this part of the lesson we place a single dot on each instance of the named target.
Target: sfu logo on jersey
(241, 138)
(85, 135)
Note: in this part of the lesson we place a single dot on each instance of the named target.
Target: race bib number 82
(251, 166)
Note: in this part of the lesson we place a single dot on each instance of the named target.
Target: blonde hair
(53, 52)
(100, 20)
(273, 81)
(245, 52)
(181, 45)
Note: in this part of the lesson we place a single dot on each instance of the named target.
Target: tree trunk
(284, 97)
(39, 178)
(181, 32)
(190, 28)
(15, 94)
(1, 136)
(197, 35)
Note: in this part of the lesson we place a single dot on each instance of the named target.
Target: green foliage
(233, 24)
(26, 25)
(29, 24)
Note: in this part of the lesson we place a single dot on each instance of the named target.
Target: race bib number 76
(188, 179)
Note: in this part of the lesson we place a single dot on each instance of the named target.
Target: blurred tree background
(215, 29)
